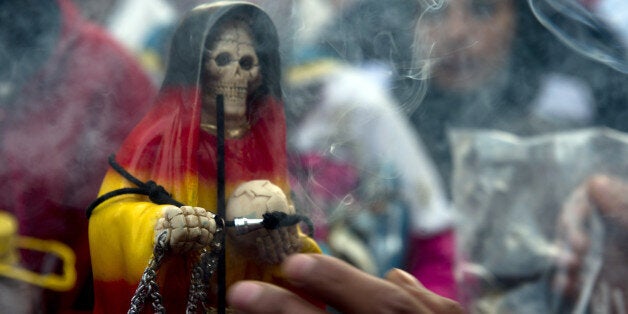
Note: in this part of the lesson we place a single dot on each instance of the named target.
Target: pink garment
(325, 182)
(431, 260)
(332, 180)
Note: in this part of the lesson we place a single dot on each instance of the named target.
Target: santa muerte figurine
(217, 128)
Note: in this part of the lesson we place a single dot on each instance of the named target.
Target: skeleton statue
(232, 70)
(227, 49)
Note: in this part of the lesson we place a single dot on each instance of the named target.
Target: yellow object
(9, 266)
(311, 71)
(8, 231)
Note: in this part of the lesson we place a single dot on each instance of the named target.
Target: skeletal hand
(253, 199)
(189, 228)
(275, 245)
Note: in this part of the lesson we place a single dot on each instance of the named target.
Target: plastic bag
(509, 192)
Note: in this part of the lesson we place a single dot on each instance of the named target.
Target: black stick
(220, 160)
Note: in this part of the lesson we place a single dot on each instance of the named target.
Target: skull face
(233, 68)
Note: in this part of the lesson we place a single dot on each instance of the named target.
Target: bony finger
(257, 297)
(207, 222)
(274, 237)
(268, 248)
(290, 240)
(170, 211)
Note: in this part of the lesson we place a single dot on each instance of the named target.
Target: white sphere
(254, 198)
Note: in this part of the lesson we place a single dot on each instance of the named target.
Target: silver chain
(199, 281)
(202, 272)
(148, 286)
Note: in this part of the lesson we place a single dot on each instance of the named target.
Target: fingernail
(404, 277)
(244, 294)
(601, 181)
(298, 266)
(599, 185)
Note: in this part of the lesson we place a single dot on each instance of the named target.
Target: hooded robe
(169, 147)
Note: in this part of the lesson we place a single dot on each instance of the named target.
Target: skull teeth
(220, 88)
(231, 91)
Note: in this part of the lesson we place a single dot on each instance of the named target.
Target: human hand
(328, 280)
(607, 195)
(188, 228)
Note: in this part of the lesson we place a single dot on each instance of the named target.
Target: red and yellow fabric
(122, 229)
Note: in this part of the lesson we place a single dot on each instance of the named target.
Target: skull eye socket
(247, 62)
(222, 59)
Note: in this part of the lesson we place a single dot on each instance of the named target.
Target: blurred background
(478, 144)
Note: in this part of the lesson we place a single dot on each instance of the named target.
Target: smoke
(582, 30)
